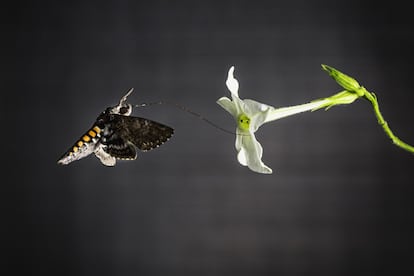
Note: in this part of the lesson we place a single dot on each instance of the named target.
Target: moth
(117, 135)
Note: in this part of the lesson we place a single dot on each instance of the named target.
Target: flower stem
(352, 86)
(381, 121)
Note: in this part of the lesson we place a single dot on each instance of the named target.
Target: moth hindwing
(116, 135)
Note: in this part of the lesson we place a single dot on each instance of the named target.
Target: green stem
(381, 121)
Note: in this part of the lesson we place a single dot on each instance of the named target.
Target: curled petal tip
(231, 72)
(231, 82)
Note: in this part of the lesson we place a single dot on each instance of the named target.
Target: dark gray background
(339, 201)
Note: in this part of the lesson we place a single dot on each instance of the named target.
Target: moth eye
(124, 109)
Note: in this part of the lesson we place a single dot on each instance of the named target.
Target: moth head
(123, 108)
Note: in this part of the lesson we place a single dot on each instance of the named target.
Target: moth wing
(143, 133)
(121, 149)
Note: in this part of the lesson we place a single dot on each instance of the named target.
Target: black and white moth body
(117, 135)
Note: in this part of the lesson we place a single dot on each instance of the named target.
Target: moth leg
(105, 158)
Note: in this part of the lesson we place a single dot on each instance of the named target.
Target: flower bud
(344, 97)
(343, 80)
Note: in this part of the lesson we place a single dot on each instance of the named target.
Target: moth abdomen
(82, 147)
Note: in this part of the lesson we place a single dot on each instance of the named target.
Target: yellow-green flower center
(243, 122)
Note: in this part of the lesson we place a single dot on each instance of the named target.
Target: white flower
(249, 116)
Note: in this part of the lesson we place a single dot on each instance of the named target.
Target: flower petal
(250, 152)
(232, 83)
(252, 107)
(258, 113)
(239, 135)
(228, 105)
(241, 157)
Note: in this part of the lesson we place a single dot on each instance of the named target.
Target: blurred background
(338, 203)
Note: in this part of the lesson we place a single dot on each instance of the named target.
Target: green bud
(344, 97)
(343, 80)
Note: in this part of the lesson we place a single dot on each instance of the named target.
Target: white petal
(228, 105)
(252, 107)
(250, 153)
(232, 83)
(241, 156)
(257, 120)
(258, 113)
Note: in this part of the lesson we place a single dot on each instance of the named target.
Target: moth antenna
(189, 111)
